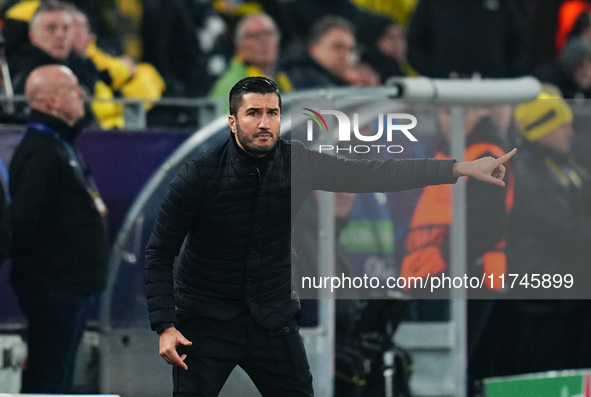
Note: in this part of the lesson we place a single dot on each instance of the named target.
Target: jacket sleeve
(176, 215)
(32, 184)
(117, 69)
(337, 174)
(5, 227)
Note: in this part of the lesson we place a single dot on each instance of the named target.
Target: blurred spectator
(463, 37)
(488, 208)
(121, 74)
(183, 40)
(571, 74)
(548, 178)
(307, 245)
(296, 18)
(256, 44)
(573, 21)
(51, 42)
(387, 55)
(548, 234)
(582, 26)
(60, 247)
(104, 17)
(329, 57)
(50, 37)
(84, 43)
(5, 227)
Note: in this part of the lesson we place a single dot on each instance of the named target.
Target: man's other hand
(169, 340)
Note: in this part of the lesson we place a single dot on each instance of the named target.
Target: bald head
(43, 81)
(54, 90)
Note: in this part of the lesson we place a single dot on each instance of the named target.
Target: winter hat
(575, 51)
(541, 116)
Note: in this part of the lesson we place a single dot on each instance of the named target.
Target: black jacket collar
(65, 131)
(241, 155)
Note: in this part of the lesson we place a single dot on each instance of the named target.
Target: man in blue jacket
(230, 301)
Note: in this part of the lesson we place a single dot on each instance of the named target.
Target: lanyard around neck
(75, 162)
(6, 177)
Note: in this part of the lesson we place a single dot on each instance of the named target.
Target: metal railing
(190, 113)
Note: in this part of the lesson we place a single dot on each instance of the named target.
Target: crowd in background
(150, 49)
(188, 45)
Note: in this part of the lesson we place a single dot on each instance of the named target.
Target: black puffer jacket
(238, 226)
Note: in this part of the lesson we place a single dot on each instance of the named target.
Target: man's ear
(232, 122)
(32, 36)
(51, 102)
(313, 50)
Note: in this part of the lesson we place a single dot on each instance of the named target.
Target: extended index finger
(504, 158)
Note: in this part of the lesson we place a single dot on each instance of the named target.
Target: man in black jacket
(59, 247)
(329, 56)
(50, 35)
(50, 42)
(232, 290)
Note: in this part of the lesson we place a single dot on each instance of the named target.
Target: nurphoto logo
(392, 121)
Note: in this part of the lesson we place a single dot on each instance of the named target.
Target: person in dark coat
(548, 240)
(51, 43)
(387, 53)
(60, 244)
(328, 58)
(231, 301)
(571, 74)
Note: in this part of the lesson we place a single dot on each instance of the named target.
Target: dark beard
(253, 151)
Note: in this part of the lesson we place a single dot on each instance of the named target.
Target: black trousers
(274, 359)
(56, 323)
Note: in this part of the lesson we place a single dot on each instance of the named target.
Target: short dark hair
(325, 24)
(258, 85)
